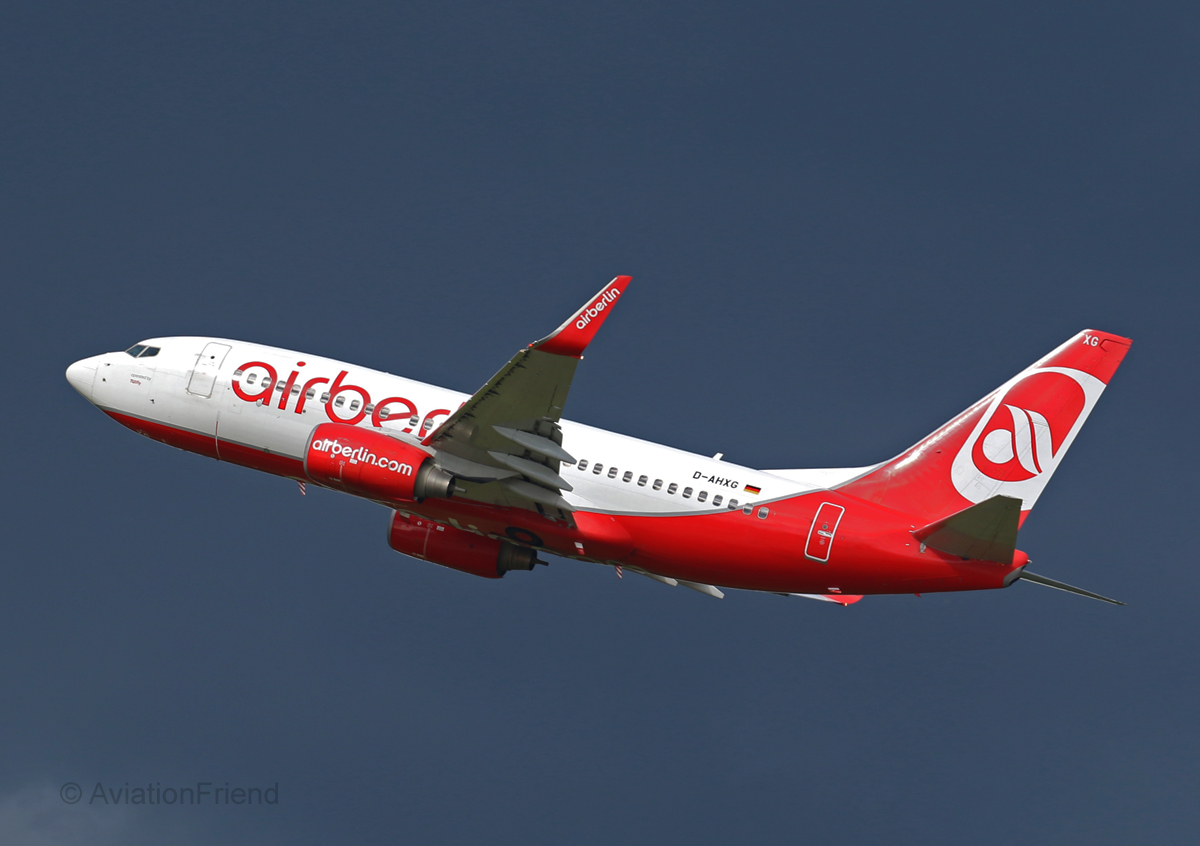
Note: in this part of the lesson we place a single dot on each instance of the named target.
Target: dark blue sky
(844, 225)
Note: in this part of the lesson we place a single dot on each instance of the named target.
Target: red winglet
(573, 336)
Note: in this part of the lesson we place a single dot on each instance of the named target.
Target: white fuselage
(614, 474)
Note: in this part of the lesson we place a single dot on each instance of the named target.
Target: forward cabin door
(204, 375)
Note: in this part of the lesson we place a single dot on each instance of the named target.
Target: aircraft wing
(504, 444)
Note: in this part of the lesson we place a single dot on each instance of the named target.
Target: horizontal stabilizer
(985, 532)
(1026, 576)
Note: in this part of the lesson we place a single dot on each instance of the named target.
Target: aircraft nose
(81, 374)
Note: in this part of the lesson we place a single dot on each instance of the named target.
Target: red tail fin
(1009, 443)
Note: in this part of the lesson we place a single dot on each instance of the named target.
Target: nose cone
(81, 374)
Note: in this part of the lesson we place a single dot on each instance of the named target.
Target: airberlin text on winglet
(595, 308)
(572, 337)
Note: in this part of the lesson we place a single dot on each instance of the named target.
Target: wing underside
(504, 445)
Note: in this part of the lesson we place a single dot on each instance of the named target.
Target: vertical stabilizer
(1007, 444)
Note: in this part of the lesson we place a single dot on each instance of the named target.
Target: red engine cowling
(459, 550)
(372, 464)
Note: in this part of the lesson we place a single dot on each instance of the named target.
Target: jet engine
(459, 550)
(372, 464)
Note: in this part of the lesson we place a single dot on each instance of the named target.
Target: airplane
(484, 483)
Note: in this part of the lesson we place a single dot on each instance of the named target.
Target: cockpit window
(136, 350)
(149, 351)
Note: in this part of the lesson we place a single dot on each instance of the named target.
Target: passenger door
(204, 375)
(821, 533)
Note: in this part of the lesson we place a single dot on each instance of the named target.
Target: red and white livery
(482, 483)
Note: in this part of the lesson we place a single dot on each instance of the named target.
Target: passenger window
(312, 392)
(238, 372)
(295, 390)
(136, 350)
(763, 512)
(749, 509)
(687, 492)
(149, 352)
(325, 398)
(425, 427)
(266, 382)
(412, 421)
(671, 490)
(279, 386)
(339, 402)
(612, 472)
(354, 404)
(597, 467)
(703, 495)
(717, 499)
(582, 465)
(642, 481)
(732, 504)
(658, 484)
(250, 379)
(628, 477)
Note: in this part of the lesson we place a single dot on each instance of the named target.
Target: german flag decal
(750, 489)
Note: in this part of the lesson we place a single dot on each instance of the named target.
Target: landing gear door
(204, 375)
(822, 532)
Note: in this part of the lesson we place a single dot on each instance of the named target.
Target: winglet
(573, 336)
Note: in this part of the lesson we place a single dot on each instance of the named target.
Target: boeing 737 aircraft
(483, 483)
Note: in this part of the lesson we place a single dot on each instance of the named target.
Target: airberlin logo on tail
(1027, 437)
(1023, 437)
(1023, 434)
(598, 306)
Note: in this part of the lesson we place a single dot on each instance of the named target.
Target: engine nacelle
(371, 464)
(459, 550)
